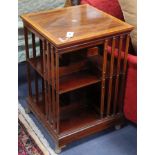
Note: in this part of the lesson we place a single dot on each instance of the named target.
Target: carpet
(26, 145)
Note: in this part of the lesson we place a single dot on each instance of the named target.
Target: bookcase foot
(27, 110)
(57, 150)
(117, 127)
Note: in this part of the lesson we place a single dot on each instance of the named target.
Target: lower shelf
(87, 123)
(76, 81)
(37, 64)
(78, 119)
(72, 117)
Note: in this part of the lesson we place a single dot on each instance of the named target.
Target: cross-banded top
(85, 21)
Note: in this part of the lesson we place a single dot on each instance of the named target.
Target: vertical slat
(126, 53)
(104, 62)
(36, 75)
(111, 75)
(117, 74)
(49, 77)
(41, 47)
(57, 88)
(33, 45)
(45, 77)
(43, 91)
(36, 87)
(26, 42)
(53, 86)
(41, 54)
(28, 65)
(122, 90)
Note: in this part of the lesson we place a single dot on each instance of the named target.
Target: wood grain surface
(85, 21)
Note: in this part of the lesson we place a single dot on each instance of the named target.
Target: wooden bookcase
(76, 85)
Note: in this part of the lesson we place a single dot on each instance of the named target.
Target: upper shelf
(69, 82)
(73, 77)
(77, 80)
(37, 64)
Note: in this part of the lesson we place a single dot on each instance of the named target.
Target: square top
(85, 21)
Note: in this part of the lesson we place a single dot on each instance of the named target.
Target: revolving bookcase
(76, 85)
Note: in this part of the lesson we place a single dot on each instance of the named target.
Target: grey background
(26, 6)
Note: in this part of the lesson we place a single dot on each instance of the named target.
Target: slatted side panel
(49, 79)
(113, 77)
